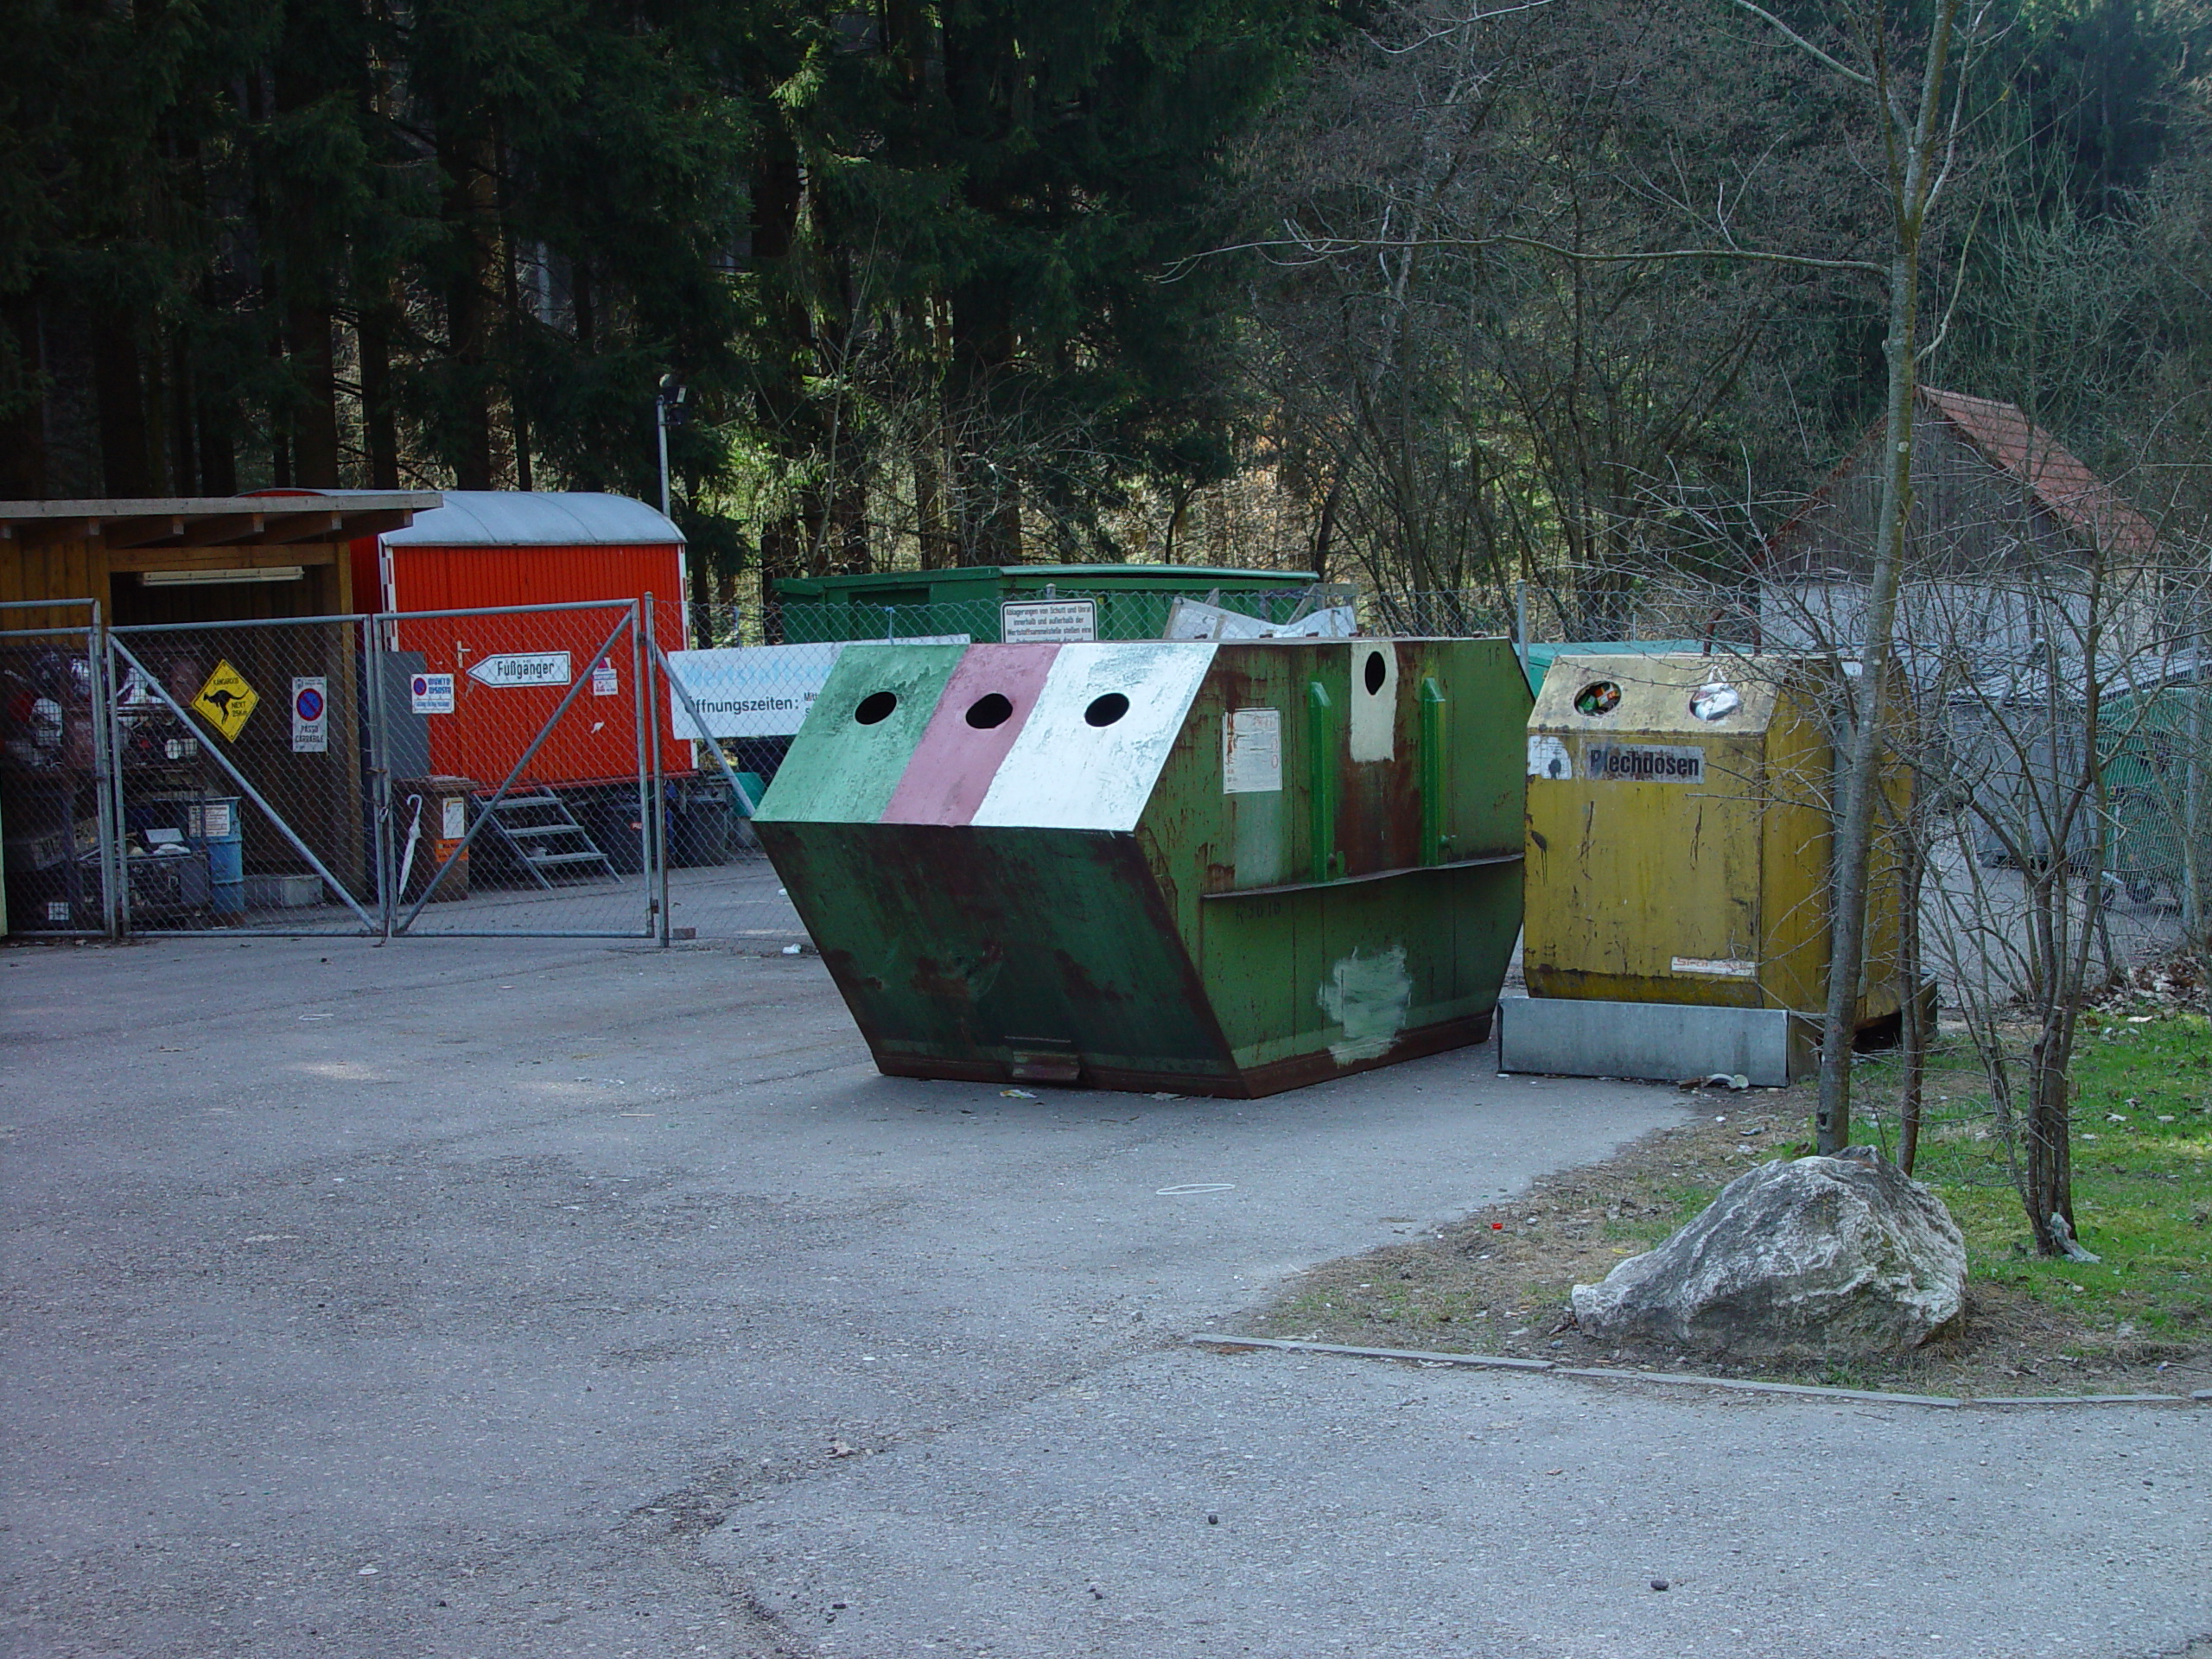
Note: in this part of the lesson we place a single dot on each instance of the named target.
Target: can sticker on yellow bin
(1547, 758)
(1643, 763)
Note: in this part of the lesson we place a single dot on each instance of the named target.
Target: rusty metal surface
(1676, 859)
(1180, 945)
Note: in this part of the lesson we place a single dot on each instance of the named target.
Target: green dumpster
(1218, 869)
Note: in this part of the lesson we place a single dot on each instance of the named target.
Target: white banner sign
(310, 714)
(758, 690)
(522, 668)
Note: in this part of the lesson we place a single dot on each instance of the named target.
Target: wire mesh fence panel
(520, 745)
(735, 711)
(55, 803)
(245, 802)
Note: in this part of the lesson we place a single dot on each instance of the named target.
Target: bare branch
(1795, 38)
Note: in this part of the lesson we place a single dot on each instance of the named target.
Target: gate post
(655, 823)
(373, 686)
(107, 803)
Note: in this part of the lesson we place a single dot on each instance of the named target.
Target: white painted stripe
(1064, 773)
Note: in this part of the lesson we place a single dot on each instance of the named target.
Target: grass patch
(2142, 1177)
(2140, 1319)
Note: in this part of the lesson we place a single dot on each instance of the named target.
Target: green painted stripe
(840, 771)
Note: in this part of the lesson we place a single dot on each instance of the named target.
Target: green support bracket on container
(1321, 762)
(1434, 785)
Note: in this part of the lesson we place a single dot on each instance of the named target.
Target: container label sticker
(604, 681)
(1547, 758)
(1251, 752)
(208, 821)
(310, 714)
(1048, 621)
(226, 702)
(1716, 967)
(521, 668)
(455, 810)
(430, 694)
(1643, 763)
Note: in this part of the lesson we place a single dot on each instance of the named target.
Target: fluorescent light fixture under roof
(213, 578)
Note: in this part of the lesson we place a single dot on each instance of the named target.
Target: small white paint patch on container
(1547, 758)
(1373, 724)
(1369, 997)
(1715, 967)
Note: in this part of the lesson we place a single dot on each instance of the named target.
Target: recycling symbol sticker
(226, 702)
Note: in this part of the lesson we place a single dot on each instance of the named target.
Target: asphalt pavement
(489, 1298)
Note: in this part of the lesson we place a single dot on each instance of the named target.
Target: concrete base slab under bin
(1665, 1042)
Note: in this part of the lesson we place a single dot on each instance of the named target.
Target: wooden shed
(163, 565)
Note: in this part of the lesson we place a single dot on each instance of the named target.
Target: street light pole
(668, 411)
(660, 424)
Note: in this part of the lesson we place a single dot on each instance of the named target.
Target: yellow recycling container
(1679, 843)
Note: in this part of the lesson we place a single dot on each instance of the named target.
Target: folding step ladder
(543, 837)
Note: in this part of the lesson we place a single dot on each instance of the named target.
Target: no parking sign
(310, 714)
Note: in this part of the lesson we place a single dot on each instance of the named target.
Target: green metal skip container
(1218, 869)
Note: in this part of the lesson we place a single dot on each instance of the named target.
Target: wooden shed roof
(211, 520)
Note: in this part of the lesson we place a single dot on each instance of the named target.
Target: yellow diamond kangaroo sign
(226, 702)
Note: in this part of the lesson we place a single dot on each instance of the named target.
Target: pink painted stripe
(951, 768)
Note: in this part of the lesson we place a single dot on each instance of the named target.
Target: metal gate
(522, 752)
(528, 771)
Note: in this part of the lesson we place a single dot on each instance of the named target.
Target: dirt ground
(1496, 1282)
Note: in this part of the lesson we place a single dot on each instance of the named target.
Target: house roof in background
(2008, 441)
(2005, 438)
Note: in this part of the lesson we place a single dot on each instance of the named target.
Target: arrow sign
(522, 668)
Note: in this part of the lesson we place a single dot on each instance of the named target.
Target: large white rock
(1840, 1255)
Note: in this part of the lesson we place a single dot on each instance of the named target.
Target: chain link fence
(558, 769)
(56, 808)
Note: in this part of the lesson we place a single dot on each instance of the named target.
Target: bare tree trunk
(378, 424)
(1913, 181)
(1914, 1034)
(314, 440)
(117, 388)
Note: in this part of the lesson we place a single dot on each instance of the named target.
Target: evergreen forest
(1436, 295)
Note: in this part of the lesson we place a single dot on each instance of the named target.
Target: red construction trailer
(506, 547)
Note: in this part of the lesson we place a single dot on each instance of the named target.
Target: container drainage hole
(989, 710)
(1104, 711)
(1376, 673)
(876, 706)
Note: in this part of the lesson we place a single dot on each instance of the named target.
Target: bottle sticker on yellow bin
(226, 702)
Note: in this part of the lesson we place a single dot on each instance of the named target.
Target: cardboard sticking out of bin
(1221, 870)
